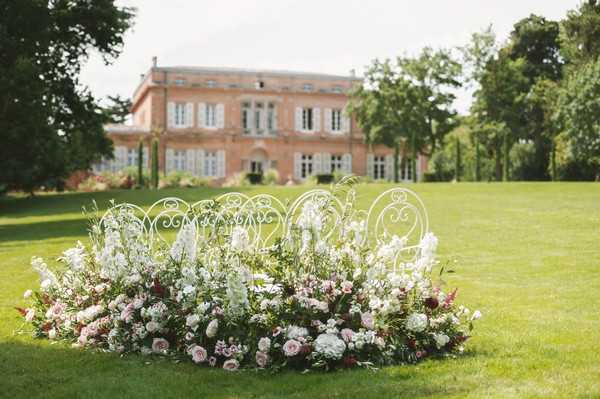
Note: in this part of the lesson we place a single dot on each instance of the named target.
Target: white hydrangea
(330, 346)
(441, 340)
(416, 322)
(294, 332)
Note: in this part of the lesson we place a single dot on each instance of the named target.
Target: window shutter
(328, 116)
(189, 115)
(326, 162)
(317, 119)
(274, 119)
(201, 114)
(190, 161)
(221, 163)
(171, 114)
(220, 116)
(250, 119)
(145, 156)
(297, 166)
(199, 163)
(389, 167)
(370, 165)
(122, 157)
(347, 163)
(170, 160)
(298, 120)
(317, 164)
(345, 124)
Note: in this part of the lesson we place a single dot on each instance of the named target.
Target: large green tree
(580, 33)
(50, 124)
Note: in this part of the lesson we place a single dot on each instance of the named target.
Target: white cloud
(331, 36)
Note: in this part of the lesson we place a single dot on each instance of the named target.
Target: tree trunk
(505, 160)
(498, 166)
(413, 160)
(553, 161)
(396, 162)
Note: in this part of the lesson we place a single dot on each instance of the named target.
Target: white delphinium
(74, 257)
(47, 278)
(185, 246)
(388, 252)
(330, 346)
(237, 294)
(240, 239)
(416, 322)
(428, 245)
(311, 217)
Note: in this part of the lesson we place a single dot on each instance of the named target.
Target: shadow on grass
(37, 369)
(43, 230)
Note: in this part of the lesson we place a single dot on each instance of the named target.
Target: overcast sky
(330, 36)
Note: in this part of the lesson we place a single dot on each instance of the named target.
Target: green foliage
(458, 163)
(522, 160)
(50, 124)
(580, 33)
(140, 175)
(271, 177)
(154, 164)
(182, 179)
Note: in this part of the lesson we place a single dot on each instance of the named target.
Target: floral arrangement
(310, 300)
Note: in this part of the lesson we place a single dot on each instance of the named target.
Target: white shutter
(120, 157)
(199, 163)
(298, 119)
(347, 163)
(221, 163)
(370, 165)
(389, 167)
(345, 124)
(171, 114)
(326, 162)
(189, 115)
(274, 120)
(190, 161)
(317, 164)
(316, 119)
(170, 160)
(297, 166)
(250, 119)
(145, 156)
(220, 116)
(328, 116)
(201, 114)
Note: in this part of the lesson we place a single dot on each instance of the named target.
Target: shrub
(236, 180)
(254, 178)
(180, 179)
(271, 177)
(325, 178)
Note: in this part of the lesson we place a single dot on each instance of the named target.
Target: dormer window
(211, 84)
(259, 85)
(307, 87)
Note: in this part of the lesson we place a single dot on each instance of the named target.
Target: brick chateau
(215, 122)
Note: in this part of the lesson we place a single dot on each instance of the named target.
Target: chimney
(142, 76)
(154, 62)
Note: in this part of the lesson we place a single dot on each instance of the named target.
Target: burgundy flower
(22, 311)
(305, 349)
(412, 344)
(431, 303)
(349, 361)
(157, 288)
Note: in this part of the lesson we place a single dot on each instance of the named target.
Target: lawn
(527, 256)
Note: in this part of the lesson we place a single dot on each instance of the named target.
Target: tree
(140, 165)
(50, 124)
(578, 114)
(580, 33)
(154, 170)
(119, 109)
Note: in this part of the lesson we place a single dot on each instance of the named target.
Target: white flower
(347, 334)
(212, 328)
(261, 359)
(416, 322)
(441, 340)
(152, 326)
(239, 238)
(291, 347)
(264, 344)
(231, 365)
(52, 334)
(199, 354)
(27, 294)
(47, 278)
(192, 320)
(367, 320)
(30, 315)
(160, 345)
(75, 257)
(330, 346)
(184, 247)
(428, 245)
(294, 332)
(476, 315)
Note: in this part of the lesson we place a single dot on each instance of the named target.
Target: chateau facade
(215, 122)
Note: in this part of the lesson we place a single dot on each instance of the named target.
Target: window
(258, 118)
(210, 118)
(306, 166)
(259, 85)
(256, 166)
(307, 119)
(379, 167)
(211, 84)
(336, 120)
(210, 164)
(307, 87)
(336, 163)
(246, 117)
(406, 169)
(336, 89)
(179, 159)
(180, 115)
(271, 117)
(132, 157)
(180, 82)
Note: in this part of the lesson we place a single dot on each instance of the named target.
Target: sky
(327, 36)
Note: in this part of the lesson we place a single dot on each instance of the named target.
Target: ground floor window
(179, 159)
(379, 167)
(256, 166)
(132, 157)
(306, 166)
(210, 164)
(406, 169)
(336, 163)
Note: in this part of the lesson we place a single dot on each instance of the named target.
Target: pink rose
(231, 365)
(160, 345)
(367, 320)
(291, 347)
(261, 359)
(55, 311)
(199, 354)
(347, 334)
(347, 287)
(127, 313)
